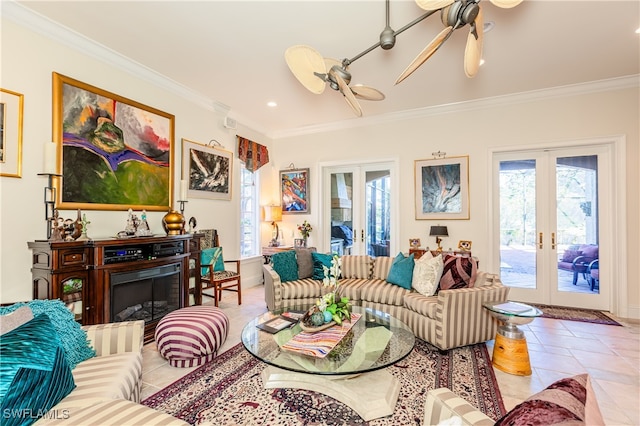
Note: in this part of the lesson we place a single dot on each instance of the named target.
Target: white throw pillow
(426, 274)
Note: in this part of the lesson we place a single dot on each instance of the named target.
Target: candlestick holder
(182, 202)
(49, 200)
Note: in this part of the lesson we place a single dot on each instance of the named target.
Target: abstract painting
(294, 187)
(442, 188)
(115, 153)
(11, 109)
(208, 170)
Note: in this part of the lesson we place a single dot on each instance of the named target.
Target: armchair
(215, 275)
(576, 260)
(593, 274)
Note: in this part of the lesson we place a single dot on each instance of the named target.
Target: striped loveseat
(450, 319)
(108, 385)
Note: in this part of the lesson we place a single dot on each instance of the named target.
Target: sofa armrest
(272, 288)
(116, 337)
(442, 404)
(462, 320)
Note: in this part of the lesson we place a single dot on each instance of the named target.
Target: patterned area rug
(229, 391)
(575, 314)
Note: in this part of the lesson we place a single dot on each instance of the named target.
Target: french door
(554, 216)
(357, 208)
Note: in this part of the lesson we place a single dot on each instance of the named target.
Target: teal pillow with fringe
(320, 260)
(73, 338)
(285, 265)
(34, 373)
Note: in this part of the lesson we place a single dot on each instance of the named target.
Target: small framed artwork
(11, 109)
(294, 191)
(207, 169)
(114, 153)
(414, 243)
(442, 188)
(464, 245)
(299, 243)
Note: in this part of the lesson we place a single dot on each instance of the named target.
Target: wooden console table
(417, 253)
(80, 272)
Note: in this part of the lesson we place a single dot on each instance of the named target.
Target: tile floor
(611, 355)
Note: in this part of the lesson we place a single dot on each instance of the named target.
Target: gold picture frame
(11, 123)
(464, 245)
(414, 243)
(113, 153)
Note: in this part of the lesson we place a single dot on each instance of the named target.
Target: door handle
(553, 240)
(362, 235)
(540, 241)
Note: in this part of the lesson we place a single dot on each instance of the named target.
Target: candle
(183, 190)
(49, 166)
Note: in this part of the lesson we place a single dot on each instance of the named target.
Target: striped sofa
(450, 319)
(108, 385)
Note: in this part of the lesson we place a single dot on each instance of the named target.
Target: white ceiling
(232, 52)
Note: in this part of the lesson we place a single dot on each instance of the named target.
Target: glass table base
(372, 395)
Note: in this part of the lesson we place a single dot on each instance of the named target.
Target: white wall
(474, 133)
(28, 59)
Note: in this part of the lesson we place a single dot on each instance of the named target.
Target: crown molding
(618, 83)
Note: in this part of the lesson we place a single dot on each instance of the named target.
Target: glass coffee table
(510, 351)
(353, 372)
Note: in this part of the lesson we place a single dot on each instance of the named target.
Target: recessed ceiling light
(272, 104)
(481, 62)
(638, 31)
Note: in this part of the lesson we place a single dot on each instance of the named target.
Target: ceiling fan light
(387, 38)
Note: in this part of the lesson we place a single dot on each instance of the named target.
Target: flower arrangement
(305, 229)
(331, 306)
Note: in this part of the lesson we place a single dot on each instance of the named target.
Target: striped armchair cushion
(117, 376)
(424, 305)
(301, 289)
(111, 413)
(352, 288)
(356, 266)
(442, 404)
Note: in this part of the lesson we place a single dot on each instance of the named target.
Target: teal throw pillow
(285, 265)
(74, 339)
(401, 272)
(211, 256)
(34, 373)
(320, 260)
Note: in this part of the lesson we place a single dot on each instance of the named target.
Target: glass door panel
(378, 212)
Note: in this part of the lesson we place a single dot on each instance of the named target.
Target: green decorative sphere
(317, 319)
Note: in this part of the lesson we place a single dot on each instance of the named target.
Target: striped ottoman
(191, 336)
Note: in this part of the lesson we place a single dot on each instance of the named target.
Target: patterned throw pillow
(426, 274)
(458, 272)
(320, 260)
(401, 272)
(35, 376)
(567, 401)
(285, 265)
(73, 338)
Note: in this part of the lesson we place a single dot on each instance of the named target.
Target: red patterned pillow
(567, 401)
(458, 272)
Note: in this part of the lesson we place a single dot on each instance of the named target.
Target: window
(249, 210)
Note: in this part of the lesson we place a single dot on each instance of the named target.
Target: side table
(510, 352)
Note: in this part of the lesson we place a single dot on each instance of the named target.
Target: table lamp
(273, 214)
(438, 231)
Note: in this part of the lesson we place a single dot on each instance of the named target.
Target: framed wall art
(11, 110)
(442, 188)
(294, 191)
(113, 153)
(207, 169)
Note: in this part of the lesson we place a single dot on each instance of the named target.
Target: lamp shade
(272, 213)
(438, 231)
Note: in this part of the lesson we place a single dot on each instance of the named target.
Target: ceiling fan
(456, 14)
(315, 72)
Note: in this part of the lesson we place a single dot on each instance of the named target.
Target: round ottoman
(191, 336)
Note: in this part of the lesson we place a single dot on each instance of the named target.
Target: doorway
(553, 205)
(358, 208)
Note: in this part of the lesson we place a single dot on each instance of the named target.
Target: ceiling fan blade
(505, 4)
(433, 4)
(473, 51)
(348, 95)
(329, 62)
(304, 61)
(426, 53)
(368, 93)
